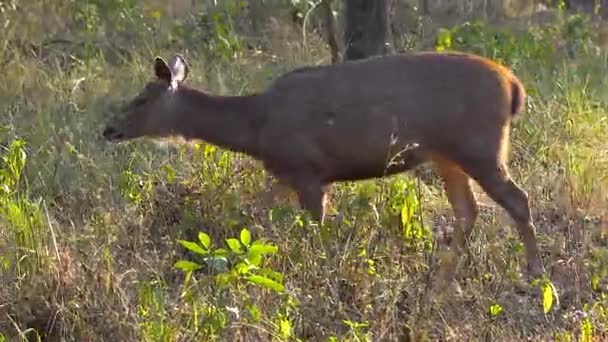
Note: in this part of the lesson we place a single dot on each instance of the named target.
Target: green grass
(89, 231)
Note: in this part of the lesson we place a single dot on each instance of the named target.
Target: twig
(315, 5)
(48, 220)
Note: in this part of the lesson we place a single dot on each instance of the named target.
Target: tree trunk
(330, 24)
(366, 31)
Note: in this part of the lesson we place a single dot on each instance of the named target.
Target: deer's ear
(178, 67)
(161, 70)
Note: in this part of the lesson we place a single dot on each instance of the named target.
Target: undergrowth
(164, 241)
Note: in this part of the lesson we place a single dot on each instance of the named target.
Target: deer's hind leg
(457, 185)
(489, 168)
(494, 178)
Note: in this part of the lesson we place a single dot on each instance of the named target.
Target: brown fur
(318, 125)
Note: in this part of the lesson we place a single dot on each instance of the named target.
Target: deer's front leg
(310, 191)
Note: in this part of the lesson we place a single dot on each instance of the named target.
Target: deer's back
(353, 114)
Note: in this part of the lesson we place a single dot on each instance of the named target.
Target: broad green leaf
(266, 283)
(187, 266)
(259, 242)
(204, 239)
(548, 291)
(264, 249)
(495, 310)
(244, 268)
(220, 252)
(245, 237)
(276, 276)
(234, 245)
(254, 258)
(193, 247)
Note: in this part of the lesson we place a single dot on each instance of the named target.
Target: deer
(318, 125)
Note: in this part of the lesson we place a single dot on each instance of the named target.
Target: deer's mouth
(113, 134)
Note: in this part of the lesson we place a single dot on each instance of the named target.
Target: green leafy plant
(152, 312)
(284, 317)
(135, 188)
(586, 329)
(214, 27)
(495, 309)
(358, 330)
(559, 4)
(230, 271)
(563, 336)
(22, 217)
(499, 44)
(404, 203)
(577, 33)
(548, 294)
(598, 267)
(242, 260)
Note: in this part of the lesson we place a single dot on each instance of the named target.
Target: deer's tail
(518, 96)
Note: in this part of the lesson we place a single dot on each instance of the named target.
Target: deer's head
(152, 111)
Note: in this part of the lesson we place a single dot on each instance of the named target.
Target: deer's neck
(230, 122)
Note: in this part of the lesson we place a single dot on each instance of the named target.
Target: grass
(90, 231)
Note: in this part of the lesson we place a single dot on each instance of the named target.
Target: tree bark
(366, 31)
(330, 24)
